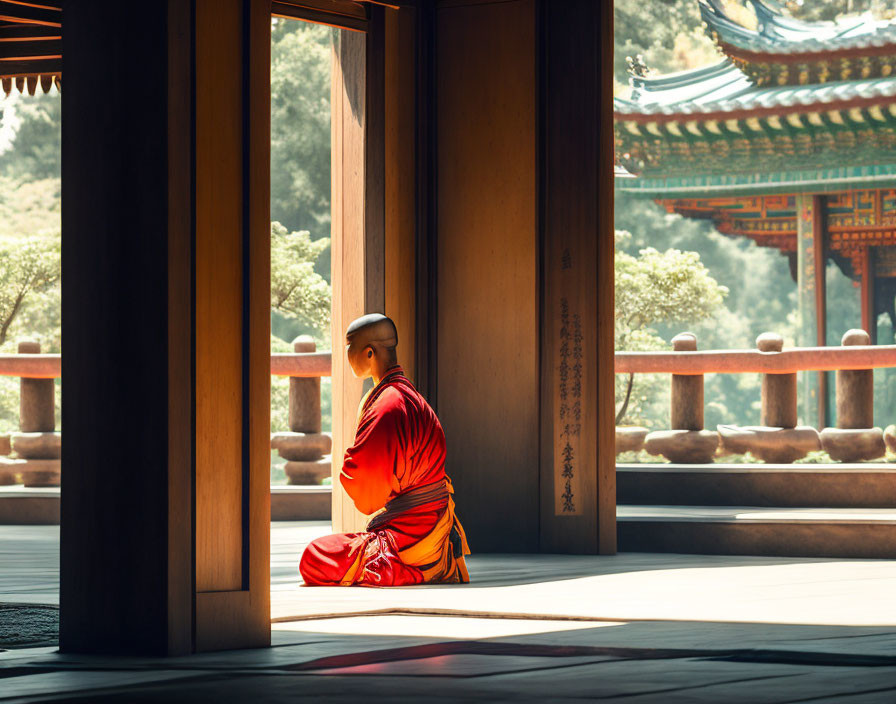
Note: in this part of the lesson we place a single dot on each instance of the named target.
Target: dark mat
(28, 625)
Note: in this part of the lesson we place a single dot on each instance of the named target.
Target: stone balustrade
(778, 438)
(687, 441)
(33, 453)
(31, 456)
(304, 447)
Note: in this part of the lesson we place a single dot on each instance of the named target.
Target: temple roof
(778, 34)
(725, 88)
(815, 112)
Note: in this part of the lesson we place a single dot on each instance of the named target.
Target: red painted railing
(49, 366)
(318, 364)
(787, 361)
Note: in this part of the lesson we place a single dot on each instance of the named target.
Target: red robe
(397, 463)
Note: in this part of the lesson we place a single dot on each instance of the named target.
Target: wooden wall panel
(578, 500)
(236, 613)
(219, 296)
(400, 250)
(487, 264)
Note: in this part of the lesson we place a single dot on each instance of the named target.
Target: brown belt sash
(411, 499)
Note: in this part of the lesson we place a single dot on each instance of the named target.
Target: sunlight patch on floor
(436, 626)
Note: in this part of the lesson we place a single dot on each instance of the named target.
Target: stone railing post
(37, 442)
(855, 438)
(778, 395)
(687, 442)
(777, 439)
(304, 395)
(7, 466)
(687, 390)
(304, 447)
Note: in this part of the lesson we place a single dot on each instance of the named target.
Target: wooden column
(811, 256)
(166, 308)
(358, 230)
(869, 309)
(578, 495)
(400, 183)
(487, 267)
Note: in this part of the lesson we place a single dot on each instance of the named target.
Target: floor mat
(28, 625)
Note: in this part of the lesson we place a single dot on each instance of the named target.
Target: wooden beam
(343, 15)
(18, 67)
(46, 14)
(30, 50)
(27, 32)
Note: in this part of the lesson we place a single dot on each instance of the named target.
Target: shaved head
(370, 346)
(372, 328)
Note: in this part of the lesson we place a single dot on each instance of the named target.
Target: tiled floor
(632, 628)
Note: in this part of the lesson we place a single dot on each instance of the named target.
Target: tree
(657, 287)
(35, 152)
(300, 126)
(762, 298)
(297, 291)
(28, 266)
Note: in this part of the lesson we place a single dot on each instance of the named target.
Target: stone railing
(32, 455)
(36, 447)
(304, 447)
(778, 438)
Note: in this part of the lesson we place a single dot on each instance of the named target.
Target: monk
(395, 470)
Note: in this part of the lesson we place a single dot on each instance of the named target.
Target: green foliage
(661, 287)
(297, 290)
(762, 297)
(35, 153)
(653, 288)
(28, 266)
(300, 129)
(30, 207)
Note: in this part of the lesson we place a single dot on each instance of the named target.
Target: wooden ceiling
(31, 34)
(30, 45)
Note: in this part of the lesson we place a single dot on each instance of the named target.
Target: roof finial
(636, 66)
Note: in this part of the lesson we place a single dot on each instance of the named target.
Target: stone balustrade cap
(684, 342)
(770, 342)
(856, 336)
(304, 343)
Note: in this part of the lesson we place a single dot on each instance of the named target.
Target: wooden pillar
(578, 498)
(486, 275)
(400, 183)
(166, 321)
(869, 308)
(811, 256)
(523, 271)
(358, 229)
